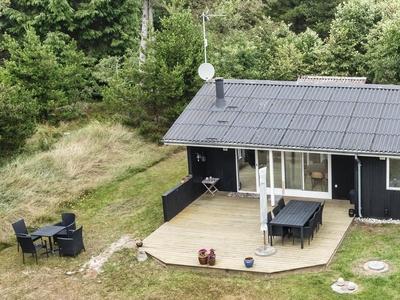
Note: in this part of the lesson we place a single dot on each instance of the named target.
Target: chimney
(219, 88)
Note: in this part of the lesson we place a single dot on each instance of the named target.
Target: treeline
(58, 55)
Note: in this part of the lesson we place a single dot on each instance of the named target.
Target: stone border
(244, 195)
(376, 221)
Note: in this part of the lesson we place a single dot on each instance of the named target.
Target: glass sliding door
(293, 170)
(295, 173)
(247, 170)
(316, 172)
(264, 161)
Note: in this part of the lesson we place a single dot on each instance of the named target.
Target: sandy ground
(93, 267)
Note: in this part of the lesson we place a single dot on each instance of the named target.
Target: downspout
(271, 176)
(358, 185)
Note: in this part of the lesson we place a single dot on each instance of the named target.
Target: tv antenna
(206, 70)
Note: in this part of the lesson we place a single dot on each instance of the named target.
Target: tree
(17, 118)
(232, 15)
(302, 14)
(99, 27)
(232, 34)
(235, 56)
(53, 70)
(155, 95)
(346, 46)
(383, 50)
(275, 52)
(147, 21)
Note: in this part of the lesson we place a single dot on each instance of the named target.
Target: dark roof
(324, 117)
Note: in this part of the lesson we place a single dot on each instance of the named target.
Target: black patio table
(49, 231)
(296, 213)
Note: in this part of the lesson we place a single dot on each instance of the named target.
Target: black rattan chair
(73, 244)
(21, 229)
(318, 217)
(275, 230)
(281, 204)
(27, 246)
(68, 220)
(308, 231)
(276, 210)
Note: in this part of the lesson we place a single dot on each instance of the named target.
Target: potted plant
(211, 257)
(139, 243)
(249, 261)
(202, 255)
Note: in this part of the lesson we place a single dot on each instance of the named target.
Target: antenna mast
(206, 70)
(207, 17)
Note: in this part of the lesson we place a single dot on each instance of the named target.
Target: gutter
(358, 184)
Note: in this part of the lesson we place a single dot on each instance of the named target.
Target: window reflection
(394, 173)
(303, 171)
(315, 172)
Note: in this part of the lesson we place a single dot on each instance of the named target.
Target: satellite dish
(206, 71)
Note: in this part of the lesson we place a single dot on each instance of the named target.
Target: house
(318, 137)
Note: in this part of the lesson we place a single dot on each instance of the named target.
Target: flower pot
(203, 260)
(211, 261)
(248, 262)
(139, 242)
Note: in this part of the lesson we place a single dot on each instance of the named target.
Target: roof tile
(330, 116)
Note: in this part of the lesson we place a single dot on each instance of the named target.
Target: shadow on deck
(231, 225)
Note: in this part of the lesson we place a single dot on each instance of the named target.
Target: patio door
(246, 170)
(294, 173)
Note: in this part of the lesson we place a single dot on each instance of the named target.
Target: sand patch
(93, 267)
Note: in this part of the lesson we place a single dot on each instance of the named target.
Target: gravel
(361, 220)
(377, 221)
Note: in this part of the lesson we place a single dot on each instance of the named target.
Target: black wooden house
(324, 137)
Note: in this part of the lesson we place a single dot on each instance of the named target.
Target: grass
(37, 186)
(113, 181)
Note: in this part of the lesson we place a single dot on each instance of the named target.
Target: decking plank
(231, 225)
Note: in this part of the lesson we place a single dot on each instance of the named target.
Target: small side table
(210, 185)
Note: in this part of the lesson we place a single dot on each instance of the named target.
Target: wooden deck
(231, 225)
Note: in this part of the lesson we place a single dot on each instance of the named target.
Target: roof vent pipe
(219, 88)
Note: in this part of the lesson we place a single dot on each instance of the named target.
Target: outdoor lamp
(200, 157)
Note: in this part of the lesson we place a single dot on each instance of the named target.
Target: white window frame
(240, 153)
(388, 187)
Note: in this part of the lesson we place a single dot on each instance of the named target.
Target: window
(394, 173)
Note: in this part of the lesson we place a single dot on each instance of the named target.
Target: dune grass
(123, 196)
(37, 186)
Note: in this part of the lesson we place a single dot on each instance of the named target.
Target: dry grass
(35, 187)
(129, 206)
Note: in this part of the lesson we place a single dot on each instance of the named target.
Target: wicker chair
(276, 210)
(318, 217)
(317, 177)
(27, 246)
(281, 204)
(275, 230)
(308, 231)
(68, 220)
(21, 229)
(73, 244)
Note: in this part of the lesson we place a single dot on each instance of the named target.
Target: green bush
(17, 119)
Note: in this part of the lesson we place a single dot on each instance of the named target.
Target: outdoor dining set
(64, 235)
(296, 219)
